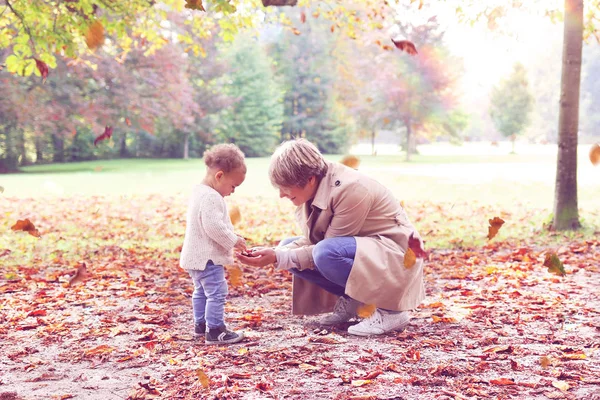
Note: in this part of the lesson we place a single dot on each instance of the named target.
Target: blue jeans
(210, 292)
(333, 259)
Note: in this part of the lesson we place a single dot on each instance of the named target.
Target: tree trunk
(186, 146)
(408, 139)
(21, 149)
(373, 143)
(566, 215)
(58, 155)
(39, 150)
(123, 152)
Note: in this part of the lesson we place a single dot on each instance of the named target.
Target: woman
(355, 234)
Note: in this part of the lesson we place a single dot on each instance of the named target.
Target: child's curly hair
(225, 157)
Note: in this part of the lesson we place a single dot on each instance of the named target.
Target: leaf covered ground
(495, 324)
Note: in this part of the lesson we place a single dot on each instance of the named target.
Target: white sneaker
(343, 311)
(380, 322)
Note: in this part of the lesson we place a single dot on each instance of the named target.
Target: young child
(209, 241)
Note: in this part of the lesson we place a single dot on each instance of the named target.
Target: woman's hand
(258, 256)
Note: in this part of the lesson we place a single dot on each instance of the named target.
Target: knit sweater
(209, 233)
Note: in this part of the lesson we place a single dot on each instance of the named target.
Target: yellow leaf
(202, 378)
(350, 161)
(562, 385)
(555, 266)
(361, 382)
(235, 215)
(495, 225)
(94, 36)
(242, 351)
(409, 258)
(235, 276)
(366, 310)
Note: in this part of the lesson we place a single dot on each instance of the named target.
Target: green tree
(254, 120)
(511, 103)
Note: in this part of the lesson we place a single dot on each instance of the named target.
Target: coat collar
(323, 192)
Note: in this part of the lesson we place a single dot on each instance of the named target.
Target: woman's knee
(324, 253)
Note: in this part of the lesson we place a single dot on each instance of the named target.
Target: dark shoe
(200, 329)
(221, 335)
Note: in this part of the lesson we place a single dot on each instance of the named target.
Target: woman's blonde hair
(294, 162)
(225, 157)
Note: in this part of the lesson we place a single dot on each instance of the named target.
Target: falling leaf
(235, 276)
(562, 385)
(555, 266)
(80, 275)
(94, 37)
(202, 378)
(366, 310)
(235, 215)
(26, 225)
(415, 244)
(106, 135)
(350, 161)
(410, 259)
(386, 121)
(43, 68)
(194, 5)
(332, 29)
(1, 189)
(595, 154)
(296, 32)
(405, 45)
(495, 225)
(127, 122)
(502, 381)
(303, 17)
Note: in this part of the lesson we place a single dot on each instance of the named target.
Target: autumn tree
(511, 104)
(254, 120)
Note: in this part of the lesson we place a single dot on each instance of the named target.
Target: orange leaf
(366, 310)
(235, 276)
(350, 161)
(495, 225)
(80, 275)
(545, 361)
(94, 36)
(25, 225)
(127, 122)
(405, 45)
(595, 154)
(43, 68)
(203, 378)
(303, 17)
(235, 215)
(324, 340)
(410, 259)
(296, 31)
(503, 382)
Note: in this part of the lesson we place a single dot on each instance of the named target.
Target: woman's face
(299, 195)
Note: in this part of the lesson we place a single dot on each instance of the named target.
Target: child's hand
(240, 244)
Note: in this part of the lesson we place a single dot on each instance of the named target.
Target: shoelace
(375, 319)
(341, 306)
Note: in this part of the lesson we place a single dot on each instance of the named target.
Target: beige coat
(348, 203)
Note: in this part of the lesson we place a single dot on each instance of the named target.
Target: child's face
(227, 182)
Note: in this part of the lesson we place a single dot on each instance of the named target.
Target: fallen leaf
(203, 378)
(410, 259)
(235, 215)
(502, 382)
(350, 161)
(562, 385)
(242, 351)
(80, 275)
(105, 135)
(235, 276)
(495, 225)
(26, 225)
(43, 68)
(545, 362)
(405, 45)
(361, 382)
(595, 154)
(194, 5)
(325, 340)
(555, 266)
(366, 310)
(373, 374)
(415, 244)
(94, 37)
